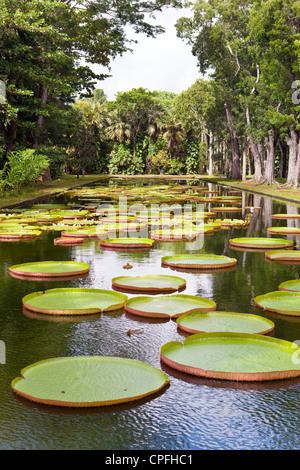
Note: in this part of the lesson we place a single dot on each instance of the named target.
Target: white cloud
(165, 63)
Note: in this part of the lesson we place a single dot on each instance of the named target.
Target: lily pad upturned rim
(171, 261)
(283, 255)
(288, 285)
(117, 305)
(211, 305)
(284, 230)
(100, 397)
(127, 243)
(228, 375)
(260, 242)
(269, 325)
(79, 268)
(262, 302)
(180, 283)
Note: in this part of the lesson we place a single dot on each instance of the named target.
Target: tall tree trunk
(270, 165)
(11, 134)
(257, 157)
(40, 117)
(236, 170)
(283, 159)
(292, 142)
(245, 151)
(210, 153)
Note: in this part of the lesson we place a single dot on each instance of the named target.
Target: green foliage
(122, 161)
(195, 156)
(57, 157)
(22, 168)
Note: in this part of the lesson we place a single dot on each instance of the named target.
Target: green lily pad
(260, 243)
(207, 322)
(233, 356)
(291, 286)
(283, 255)
(88, 381)
(149, 283)
(204, 261)
(285, 216)
(71, 301)
(50, 269)
(168, 306)
(284, 230)
(226, 209)
(287, 303)
(127, 243)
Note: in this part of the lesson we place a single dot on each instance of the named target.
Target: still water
(192, 413)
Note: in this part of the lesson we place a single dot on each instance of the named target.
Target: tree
(43, 47)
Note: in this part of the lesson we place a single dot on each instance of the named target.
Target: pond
(192, 413)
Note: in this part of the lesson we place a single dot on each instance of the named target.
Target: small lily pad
(291, 286)
(127, 243)
(205, 261)
(69, 301)
(285, 302)
(168, 306)
(207, 322)
(260, 243)
(50, 269)
(149, 283)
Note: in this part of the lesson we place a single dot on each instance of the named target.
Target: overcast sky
(164, 63)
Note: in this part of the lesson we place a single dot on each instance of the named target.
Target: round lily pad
(71, 301)
(285, 216)
(19, 234)
(260, 243)
(207, 322)
(287, 303)
(74, 301)
(88, 381)
(283, 255)
(68, 241)
(50, 269)
(168, 306)
(204, 261)
(130, 243)
(149, 283)
(233, 356)
(291, 286)
(226, 209)
(284, 230)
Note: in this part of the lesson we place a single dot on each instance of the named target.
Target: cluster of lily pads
(220, 345)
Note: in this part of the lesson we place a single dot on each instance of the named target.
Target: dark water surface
(192, 413)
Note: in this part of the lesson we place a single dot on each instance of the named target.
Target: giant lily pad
(287, 303)
(260, 243)
(285, 216)
(283, 255)
(130, 243)
(88, 381)
(204, 261)
(284, 230)
(149, 283)
(207, 322)
(291, 286)
(167, 306)
(50, 269)
(71, 301)
(233, 356)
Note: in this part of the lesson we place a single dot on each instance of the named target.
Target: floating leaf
(284, 302)
(204, 261)
(260, 243)
(233, 356)
(69, 301)
(167, 306)
(207, 322)
(152, 283)
(88, 381)
(50, 268)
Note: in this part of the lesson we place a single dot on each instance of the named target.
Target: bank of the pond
(49, 188)
(52, 188)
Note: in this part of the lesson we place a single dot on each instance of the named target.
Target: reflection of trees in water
(256, 219)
